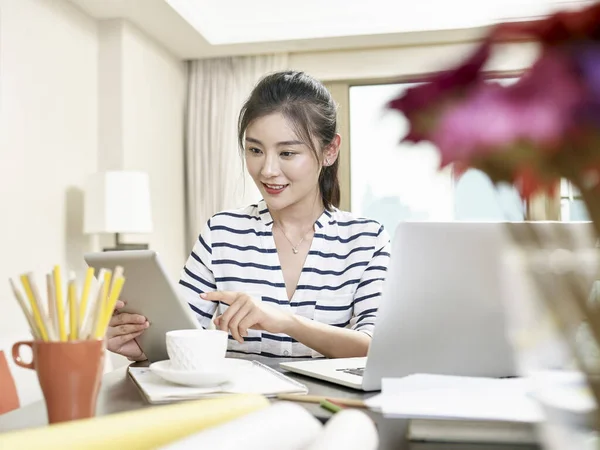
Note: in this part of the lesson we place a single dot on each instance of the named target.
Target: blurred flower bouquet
(543, 128)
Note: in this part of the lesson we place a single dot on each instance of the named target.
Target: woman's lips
(274, 189)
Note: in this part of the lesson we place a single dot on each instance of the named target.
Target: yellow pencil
(73, 316)
(118, 272)
(112, 301)
(60, 309)
(84, 296)
(102, 305)
(34, 307)
(32, 326)
(318, 399)
(50, 292)
(89, 320)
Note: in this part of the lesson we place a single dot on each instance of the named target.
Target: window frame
(540, 207)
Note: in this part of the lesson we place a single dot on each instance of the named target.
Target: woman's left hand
(245, 312)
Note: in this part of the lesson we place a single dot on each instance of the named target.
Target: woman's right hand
(122, 330)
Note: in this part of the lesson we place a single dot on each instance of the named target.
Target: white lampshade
(118, 202)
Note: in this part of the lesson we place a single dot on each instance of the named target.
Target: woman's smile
(274, 189)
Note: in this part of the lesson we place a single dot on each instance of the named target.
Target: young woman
(291, 276)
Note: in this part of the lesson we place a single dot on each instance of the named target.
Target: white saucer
(211, 376)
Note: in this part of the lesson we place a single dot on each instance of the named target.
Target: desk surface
(119, 393)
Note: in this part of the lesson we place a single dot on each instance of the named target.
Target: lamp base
(121, 246)
(124, 247)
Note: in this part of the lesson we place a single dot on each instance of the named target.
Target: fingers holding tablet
(122, 330)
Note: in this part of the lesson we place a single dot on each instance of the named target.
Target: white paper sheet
(349, 429)
(374, 402)
(450, 397)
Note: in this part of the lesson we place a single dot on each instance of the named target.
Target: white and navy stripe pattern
(340, 283)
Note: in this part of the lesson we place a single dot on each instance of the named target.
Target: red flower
(528, 182)
(418, 103)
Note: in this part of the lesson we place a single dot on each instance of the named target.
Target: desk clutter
(443, 408)
(68, 337)
(233, 422)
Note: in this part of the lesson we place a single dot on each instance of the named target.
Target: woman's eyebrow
(283, 143)
(279, 144)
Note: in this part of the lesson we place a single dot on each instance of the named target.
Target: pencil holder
(69, 373)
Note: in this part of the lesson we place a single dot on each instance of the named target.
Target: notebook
(475, 431)
(258, 379)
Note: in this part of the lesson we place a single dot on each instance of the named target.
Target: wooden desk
(119, 393)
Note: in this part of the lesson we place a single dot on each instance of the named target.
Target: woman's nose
(270, 167)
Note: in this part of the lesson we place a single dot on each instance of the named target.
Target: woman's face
(284, 168)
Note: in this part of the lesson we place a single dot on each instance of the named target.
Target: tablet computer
(149, 292)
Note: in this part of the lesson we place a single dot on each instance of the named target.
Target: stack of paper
(461, 409)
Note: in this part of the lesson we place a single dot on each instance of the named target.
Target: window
(392, 182)
(572, 208)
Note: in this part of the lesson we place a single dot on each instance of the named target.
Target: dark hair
(308, 105)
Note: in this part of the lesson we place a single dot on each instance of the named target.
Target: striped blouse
(340, 283)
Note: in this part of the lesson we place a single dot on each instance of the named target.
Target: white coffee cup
(196, 349)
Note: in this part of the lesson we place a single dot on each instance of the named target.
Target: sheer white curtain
(215, 176)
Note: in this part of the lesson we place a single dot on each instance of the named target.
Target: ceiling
(214, 28)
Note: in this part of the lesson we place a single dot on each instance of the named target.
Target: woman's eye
(287, 154)
(254, 150)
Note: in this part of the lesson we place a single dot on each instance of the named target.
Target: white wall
(405, 61)
(52, 138)
(141, 118)
(48, 145)
(154, 90)
(142, 90)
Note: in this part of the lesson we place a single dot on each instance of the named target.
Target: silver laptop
(441, 310)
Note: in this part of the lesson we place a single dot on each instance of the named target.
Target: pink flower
(537, 111)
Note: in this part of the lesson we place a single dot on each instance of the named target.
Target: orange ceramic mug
(69, 373)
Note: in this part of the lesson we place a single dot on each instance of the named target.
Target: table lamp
(118, 202)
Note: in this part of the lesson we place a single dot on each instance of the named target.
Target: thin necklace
(294, 247)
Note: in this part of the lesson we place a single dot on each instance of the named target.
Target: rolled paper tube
(290, 427)
(147, 428)
(349, 429)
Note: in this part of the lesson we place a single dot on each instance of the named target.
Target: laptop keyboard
(359, 371)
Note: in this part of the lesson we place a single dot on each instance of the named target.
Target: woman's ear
(332, 151)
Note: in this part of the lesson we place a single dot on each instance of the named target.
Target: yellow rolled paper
(141, 429)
